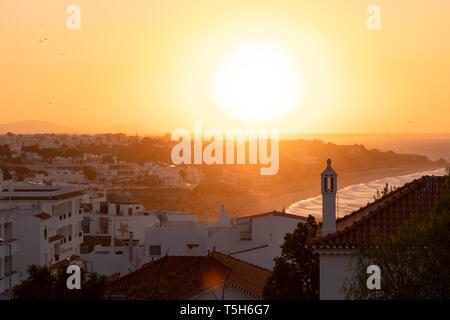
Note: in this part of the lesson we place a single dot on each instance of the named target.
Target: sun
(257, 82)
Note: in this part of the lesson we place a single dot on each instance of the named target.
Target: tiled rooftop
(385, 215)
(183, 277)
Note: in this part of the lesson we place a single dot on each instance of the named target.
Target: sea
(355, 196)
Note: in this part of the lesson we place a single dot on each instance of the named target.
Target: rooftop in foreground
(184, 277)
(385, 215)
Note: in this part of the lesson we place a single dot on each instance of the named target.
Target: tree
(38, 286)
(296, 272)
(414, 262)
(386, 190)
(43, 284)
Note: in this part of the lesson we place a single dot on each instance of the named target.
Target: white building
(123, 259)
(117, 219)
(337, 240)
(8, 263)
(255, 239)
(48, 223)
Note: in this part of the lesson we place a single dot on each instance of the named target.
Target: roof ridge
(239, 260)
(249, 249)
(386, 197)
(377, 207)
(277, 213)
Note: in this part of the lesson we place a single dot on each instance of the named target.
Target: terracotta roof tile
(385, 215)
(43, 216)
(183, 277)
(59, 264)
(55, 238)
(90, 241)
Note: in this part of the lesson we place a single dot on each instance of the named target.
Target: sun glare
(257, 82)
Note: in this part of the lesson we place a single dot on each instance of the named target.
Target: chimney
(329, 190)
(224, 220)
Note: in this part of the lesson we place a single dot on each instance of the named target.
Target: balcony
(4, 249)
(14, 279)
(4, 282)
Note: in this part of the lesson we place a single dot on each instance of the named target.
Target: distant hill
(32, 126)
(434, 146)
(36, 127)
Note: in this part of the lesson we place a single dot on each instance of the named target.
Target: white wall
(334, 269)
(224, 238)
(104, 263)
(273, 226)
(262, 257)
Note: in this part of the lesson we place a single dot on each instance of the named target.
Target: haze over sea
(355, 196)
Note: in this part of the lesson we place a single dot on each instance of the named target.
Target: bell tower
(329, 189)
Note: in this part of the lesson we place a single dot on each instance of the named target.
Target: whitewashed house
(255, 239)
(337, 240)
(116, 218)
(48, 223)
(8, 240)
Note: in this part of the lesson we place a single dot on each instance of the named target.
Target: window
(155, 250)
(70, 214)
(130, 211)
(45, 233)
(328, 183)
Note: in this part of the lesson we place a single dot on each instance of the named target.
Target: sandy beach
(312, 188)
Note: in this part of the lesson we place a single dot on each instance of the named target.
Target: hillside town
(59, 214)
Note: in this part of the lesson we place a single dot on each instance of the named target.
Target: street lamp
(2, 241)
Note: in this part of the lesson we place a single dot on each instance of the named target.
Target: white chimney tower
(329, 189)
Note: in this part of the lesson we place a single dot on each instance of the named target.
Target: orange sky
(150, 63)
